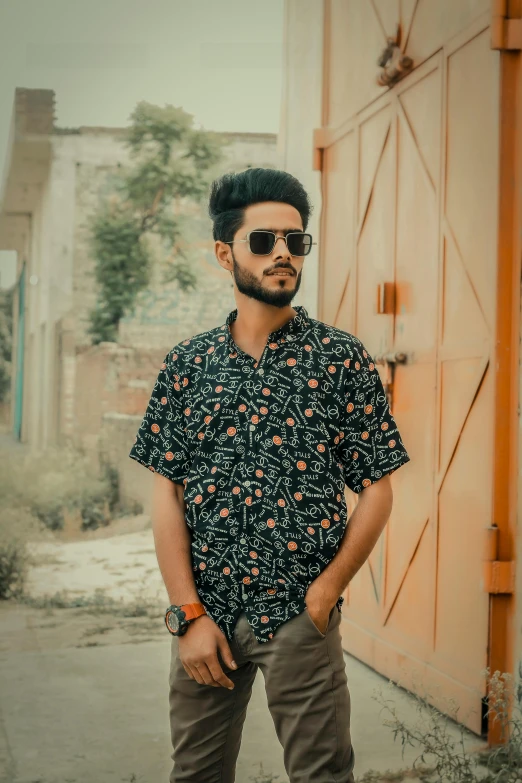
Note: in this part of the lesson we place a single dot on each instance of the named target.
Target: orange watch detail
(193, 610)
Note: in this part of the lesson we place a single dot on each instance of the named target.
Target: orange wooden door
(410, 186)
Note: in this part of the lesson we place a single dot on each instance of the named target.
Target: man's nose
(285, 246)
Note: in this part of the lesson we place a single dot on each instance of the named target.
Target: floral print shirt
(264, 450)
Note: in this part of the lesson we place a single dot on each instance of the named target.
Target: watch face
(173, 622)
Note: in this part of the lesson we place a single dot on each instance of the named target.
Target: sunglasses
(261, 242)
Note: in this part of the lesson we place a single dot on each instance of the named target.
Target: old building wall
(95, 396)
(106, 388)
(61, 289)
(111, 378)
(164, 314)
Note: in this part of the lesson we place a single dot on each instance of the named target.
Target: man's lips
(282, 273)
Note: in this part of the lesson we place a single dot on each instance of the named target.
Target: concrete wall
(300, 114)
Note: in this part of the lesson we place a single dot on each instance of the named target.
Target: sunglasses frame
(276, 237)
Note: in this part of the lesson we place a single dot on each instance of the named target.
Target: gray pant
(308, 698)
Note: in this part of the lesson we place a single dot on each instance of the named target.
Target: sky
(220, 60)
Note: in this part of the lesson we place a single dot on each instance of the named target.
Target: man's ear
(220, 251)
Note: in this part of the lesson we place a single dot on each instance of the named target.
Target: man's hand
(198, 649)
(319, 604)
(361, 534)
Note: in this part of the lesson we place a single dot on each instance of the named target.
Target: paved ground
(83, 696)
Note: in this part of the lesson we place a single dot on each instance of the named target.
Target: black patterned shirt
(264, 450)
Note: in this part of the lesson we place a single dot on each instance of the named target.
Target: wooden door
(410, 189)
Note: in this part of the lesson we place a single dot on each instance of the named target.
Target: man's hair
(232, 193)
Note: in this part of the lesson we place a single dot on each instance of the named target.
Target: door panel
(375, 236)
(472, 164)
(339, 224)
(356, 40)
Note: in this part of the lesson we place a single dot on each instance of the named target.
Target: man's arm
(198, 647)
(362, 533)
(172, 541)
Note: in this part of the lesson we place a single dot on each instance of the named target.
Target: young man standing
(253, 429)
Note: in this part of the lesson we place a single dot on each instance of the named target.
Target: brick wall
(111, 379)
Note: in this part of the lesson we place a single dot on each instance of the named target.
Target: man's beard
(249, 285)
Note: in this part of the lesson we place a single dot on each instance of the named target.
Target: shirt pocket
(213, 541)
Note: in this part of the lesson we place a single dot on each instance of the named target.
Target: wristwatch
(178, 618)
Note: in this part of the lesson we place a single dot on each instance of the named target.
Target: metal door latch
(391, 358)
(390, 361)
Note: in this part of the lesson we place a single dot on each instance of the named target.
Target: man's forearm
(172, 541)
(365, 526)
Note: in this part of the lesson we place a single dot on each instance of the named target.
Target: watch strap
(193, 610)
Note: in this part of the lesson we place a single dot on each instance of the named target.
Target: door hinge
(319, 142)
(499, 576)
(385, 298)
(506, 33)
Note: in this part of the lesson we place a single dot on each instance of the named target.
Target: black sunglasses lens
(261, 242)
(299, 244)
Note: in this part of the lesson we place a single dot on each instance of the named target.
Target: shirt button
(247, 483)
(261, 371)
(252, 426)
(242, 540)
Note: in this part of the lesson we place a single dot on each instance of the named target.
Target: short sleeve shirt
(264, 450)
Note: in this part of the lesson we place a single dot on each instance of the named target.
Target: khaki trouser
(308, 698)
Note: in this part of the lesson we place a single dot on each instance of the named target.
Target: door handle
(392, 358)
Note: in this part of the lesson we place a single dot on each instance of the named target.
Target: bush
(59, 488)
(15, 527)
(98, 603)
(58, 483)
(13, 568)
(448, 759)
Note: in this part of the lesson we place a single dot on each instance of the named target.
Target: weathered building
(62, 386)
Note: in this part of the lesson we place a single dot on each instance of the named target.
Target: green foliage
(445, 757)
(12, 569)
(171, 167)
(122, 268)
(99, 603)
(58, 485)
(6, 341)
(16, 525)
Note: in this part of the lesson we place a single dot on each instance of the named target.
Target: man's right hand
(198, 649)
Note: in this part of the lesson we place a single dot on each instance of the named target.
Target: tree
(171, 166)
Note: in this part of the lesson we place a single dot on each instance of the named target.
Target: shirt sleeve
(372, 445)
(160, 443)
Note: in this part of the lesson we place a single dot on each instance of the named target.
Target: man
(253, 429)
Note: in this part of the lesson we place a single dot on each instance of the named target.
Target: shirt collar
(292, 327)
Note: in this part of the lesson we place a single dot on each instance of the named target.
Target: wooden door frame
(502, 630)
